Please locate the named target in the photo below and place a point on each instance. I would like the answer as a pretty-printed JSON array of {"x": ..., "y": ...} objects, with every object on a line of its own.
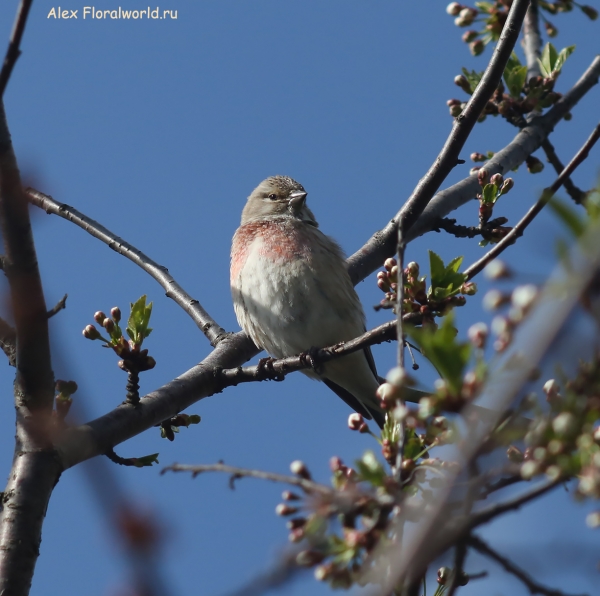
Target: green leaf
[
  {"x": 515, "y": 80},
  {"x": 137, "y": 325},
  {"x": 145, "y": 461},
  {"x": 489, "y": 194},
  {"x": 572, "y": 220},
  {"x": 472, "y": 77},
  {"x": 412, "y": 444},
  {"x": 370, "y": 469},
  {"x": 552, "y": 61},
  {"x": 562, "y": 57},
  {"x": 445, "y": 280},
  {"x": 449, "y": 356}
]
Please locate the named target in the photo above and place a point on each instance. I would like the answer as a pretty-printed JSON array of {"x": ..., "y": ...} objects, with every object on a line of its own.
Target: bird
[{"x": 292, "y": 292}]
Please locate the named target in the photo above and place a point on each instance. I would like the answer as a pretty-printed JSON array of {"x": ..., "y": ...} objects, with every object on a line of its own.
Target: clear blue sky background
[{"x": 160, "y": 130}]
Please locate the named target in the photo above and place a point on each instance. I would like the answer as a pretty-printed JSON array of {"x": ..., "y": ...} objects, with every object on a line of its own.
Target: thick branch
[
  {"x": 547, "y": 194},
  {"x": 161, "y": 274},
  {"x": 35, "y": 468},
  {"x": 13, "y": 52}
]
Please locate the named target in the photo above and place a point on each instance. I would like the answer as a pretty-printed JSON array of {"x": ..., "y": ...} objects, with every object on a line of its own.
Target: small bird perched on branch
[{"x": 292, "y": 292}]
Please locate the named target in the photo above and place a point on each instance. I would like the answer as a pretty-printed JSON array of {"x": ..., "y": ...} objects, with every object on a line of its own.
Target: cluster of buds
[
  {"x": 521, "y": 300},
  {"x": 448, "y": 399},
  {"x": 134, "y": 359},
  {"x": 566, "y": 441},
  {"x": 537, "y": 93},
  {"x": 492, "y": 14},
  {"x": 415, "y": 299},
  {"x": 492, "y": 188},
  {"x": 63, "y": 400},
  {"x": 559, "y": 6}
]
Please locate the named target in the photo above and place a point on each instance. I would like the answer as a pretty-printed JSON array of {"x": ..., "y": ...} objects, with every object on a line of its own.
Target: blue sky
[{"x": 160, "y": 130}]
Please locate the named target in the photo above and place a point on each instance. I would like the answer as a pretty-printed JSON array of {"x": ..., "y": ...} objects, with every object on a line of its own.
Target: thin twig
[
  {"x": 486, "y": 515},
  {"x": 459, "y": 562},
  {"x": 574, "y": 192},
  {"x": 547, "y": 194},
  {"x": 13, "y": 52},
  {"x": 161, "y": 274},
  {"x": 60, "y": 305},
  {"x": 534, "y": 587},
  {"x": 308, "y": 486}
]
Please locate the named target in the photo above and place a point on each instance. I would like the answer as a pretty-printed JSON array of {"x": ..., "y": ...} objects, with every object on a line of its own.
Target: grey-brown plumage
[{"x": 292, "y": 292}]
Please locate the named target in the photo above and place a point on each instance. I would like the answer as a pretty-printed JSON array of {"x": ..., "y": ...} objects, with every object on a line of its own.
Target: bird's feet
[
  {"x": 266, "y": 370},
  {"x": 311, "y": 358}
]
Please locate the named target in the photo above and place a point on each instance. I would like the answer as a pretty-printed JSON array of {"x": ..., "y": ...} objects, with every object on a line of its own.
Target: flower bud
[
  {"x": 564, "y": 424},
  {"x": 90, "y": 332},
  {"x": 496, "y": 269},
  {"x": 335, "y": 464},
  {"x": 478, "y": 334},
  {"x": 299, "y": 468},
  {"x": 506, "y": 186},
  {"x": 389, "y": 263},
  {"x": 288, "y": 495},
  {"x": 478, "y": 157},
  {"x": 476, "y": 47},
  {"x": 282, "y": 509},
  {"x": 355, "y": 421},
  {"x": 443, "y": 575},
  {"x": 453, "y": 8},
  {"x": 483, "y": 177},
  {"x": 494, "y": 299},
  {"x": 524, "y": 296},
  {"x": 469, "y": 36},
  {"x": 115, "y": 313},
  {"x": 551, "y": 389},
  {"x": 496, "y": 179},
  {"x": 387, "y": 392},
  {"x": 455, "y": 110},
  {"x": 469, "y": 288},
  {"x": 99, "y": 317},
  {"x": 108, "y": 324},
  {"x": 462, "y": 82}
]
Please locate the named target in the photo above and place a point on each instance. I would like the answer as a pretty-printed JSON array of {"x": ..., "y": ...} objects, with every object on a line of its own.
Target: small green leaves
[
  {"x": 515, "y": 80},
  {"x": 144, "y": 462},
  {"x": 445, "y": 279},
  {"x": 137, "y": 325},
  {"x": 370, "y": 469},
  {"x": 552, "y": 61},
  {"x": 441, "y": 348},
  {"x": 473, "y": 77}
]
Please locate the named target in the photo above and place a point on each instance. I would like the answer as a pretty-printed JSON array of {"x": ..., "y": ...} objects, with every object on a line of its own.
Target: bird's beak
[{"x": 297, "y": 200}]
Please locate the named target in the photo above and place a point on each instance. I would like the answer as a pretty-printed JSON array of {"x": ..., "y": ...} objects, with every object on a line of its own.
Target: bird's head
[{"x": 278, "y": 196}]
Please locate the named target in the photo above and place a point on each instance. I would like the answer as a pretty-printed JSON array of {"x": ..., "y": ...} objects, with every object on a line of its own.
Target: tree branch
[
  {"x": 547, "y": 194},
  {"x": 534, "y": 588},
  {"x": 382, "y": 244},
  {"x": 161, "y": 274},
  {"x": 13, "y": 52},
  {"x": 308, "y": 486},
  {"x": 36, "y": 468}
]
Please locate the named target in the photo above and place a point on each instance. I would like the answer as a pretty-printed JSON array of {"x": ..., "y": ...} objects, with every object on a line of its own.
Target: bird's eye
[{"x": 272, "y": 196}]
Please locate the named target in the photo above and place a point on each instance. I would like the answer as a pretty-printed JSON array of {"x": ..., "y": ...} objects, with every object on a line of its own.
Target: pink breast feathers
[{"x": 278, "y": 242}]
